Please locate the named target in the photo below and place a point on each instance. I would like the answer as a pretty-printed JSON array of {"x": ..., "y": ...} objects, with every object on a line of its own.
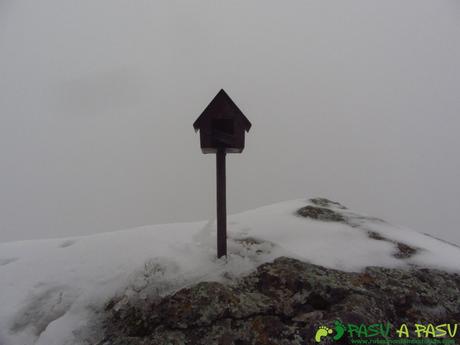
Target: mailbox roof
[{"x": 222, "y": 103}]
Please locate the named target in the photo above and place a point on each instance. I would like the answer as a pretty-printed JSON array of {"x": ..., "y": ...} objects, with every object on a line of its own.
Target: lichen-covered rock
[
  {"x": 320, "y": 213},
  {"x": 282, "y": 303},
  {"x": 323, "y": 202}
]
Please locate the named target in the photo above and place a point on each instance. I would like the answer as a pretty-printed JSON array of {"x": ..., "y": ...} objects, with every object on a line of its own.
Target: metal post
[{"x": 221, "y": 205}]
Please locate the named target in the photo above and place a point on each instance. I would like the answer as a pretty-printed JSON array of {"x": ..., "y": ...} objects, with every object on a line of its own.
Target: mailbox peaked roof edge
[{"x": 222, "y": 102}]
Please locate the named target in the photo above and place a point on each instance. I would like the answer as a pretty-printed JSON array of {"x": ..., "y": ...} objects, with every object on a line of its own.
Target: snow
[{"x": 51, "y": 290}]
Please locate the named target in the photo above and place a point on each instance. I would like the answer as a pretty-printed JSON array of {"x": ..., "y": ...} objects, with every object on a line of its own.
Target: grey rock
[
  {"x": 320, "y": 213},
  {"x": 284, "y": 302}
]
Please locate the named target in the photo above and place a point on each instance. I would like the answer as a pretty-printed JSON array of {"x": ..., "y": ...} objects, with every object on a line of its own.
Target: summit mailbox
[{"x": 222, "y": 128}]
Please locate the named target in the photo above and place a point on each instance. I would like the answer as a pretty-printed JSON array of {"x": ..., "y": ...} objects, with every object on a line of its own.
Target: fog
[{"x": 356, "y": 101}]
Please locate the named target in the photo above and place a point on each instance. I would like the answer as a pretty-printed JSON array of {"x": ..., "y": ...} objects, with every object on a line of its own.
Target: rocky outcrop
[
  {"x": 284, "y": 302},
  {"x": 331, "y": 211}
]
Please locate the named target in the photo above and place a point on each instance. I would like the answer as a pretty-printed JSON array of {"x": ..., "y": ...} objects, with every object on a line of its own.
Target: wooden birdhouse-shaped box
[{"x": 222, "y": 126}]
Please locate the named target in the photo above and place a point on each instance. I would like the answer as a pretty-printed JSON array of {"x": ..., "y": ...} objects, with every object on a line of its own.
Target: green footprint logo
[
  {"x": 339, "y": 330},
  {"x": 322, "y": 331}
]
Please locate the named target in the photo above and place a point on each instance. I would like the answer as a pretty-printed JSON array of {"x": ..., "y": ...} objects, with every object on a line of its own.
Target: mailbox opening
[{"x": 224, "y": 125}]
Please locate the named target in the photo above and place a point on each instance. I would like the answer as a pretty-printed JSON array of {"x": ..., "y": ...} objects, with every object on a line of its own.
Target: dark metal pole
[{"x": 221, "y": 206}]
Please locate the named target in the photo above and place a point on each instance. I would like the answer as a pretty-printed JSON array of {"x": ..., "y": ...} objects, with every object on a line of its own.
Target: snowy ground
[{"x": 51, "y": 289}]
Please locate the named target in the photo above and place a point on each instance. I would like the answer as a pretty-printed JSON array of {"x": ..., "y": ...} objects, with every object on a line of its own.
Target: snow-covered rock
[
  {"x": 285, "y": 302},
  {"x": 55, "y": 291}
]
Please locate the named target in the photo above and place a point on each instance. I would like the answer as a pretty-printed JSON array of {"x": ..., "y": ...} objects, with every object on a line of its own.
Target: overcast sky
[{"x": 357, "y": 101}]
